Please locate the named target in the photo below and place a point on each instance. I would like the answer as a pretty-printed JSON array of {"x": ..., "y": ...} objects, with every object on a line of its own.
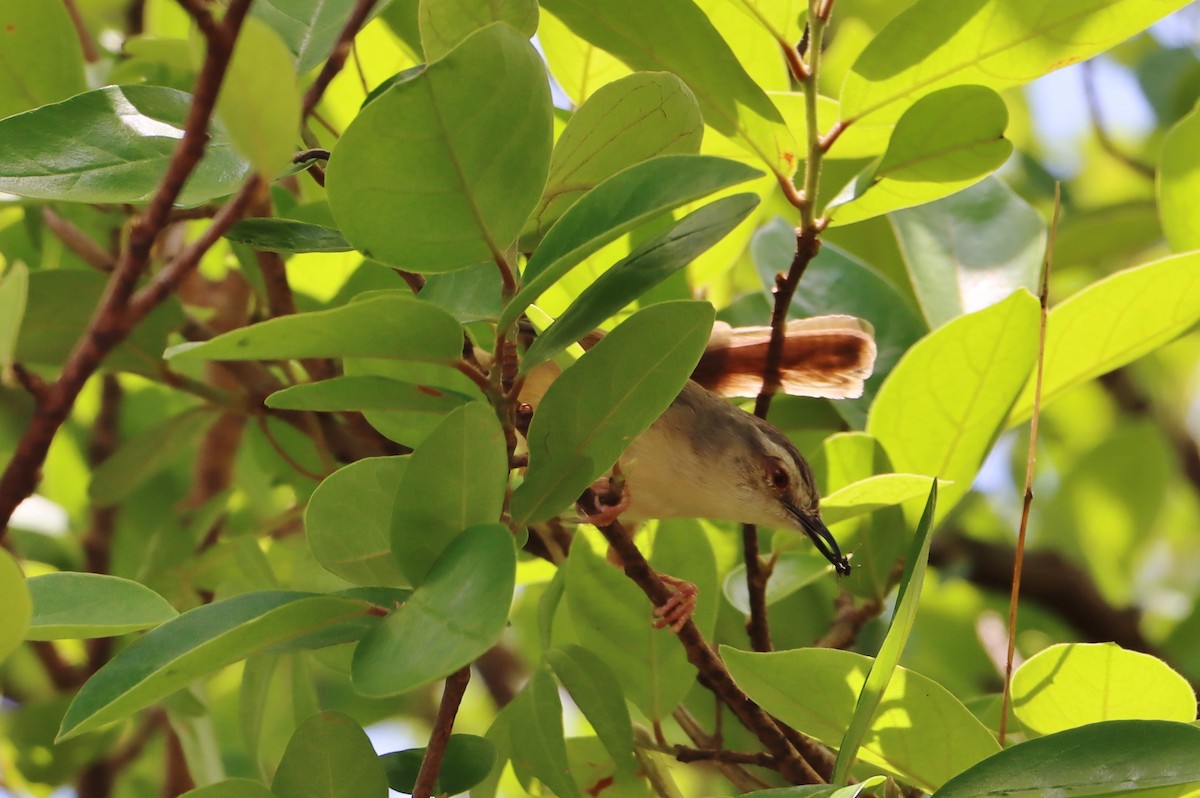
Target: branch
[
  {"x": 456, "y": 685},
  {"x": 709, "y": 666},
  {"x": 337, "y": 58},
  {"x": 78, "y": 241},
  {"x": 1106, "y": 143},
  {"x": 86, "y": 43}
]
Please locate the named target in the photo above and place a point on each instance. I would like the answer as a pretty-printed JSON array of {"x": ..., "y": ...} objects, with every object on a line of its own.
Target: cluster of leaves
[{"x": 311, "y": 501}]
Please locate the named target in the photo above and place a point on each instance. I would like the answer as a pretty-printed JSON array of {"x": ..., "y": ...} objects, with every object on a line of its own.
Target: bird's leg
[
  {"x": 678, "y": 609},
  {"x": 604, "y": 501}
]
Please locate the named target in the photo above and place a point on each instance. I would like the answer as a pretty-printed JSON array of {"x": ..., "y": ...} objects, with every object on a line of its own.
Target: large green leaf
[
  {"x": 14, "y": 295},
  {"x": 1179, "y": 183},
  {"x": 1074, "y": 684},
  {"x": 458, "y": 613},
  {"x": 330, "y": 756},
  {"x": 606, "y": 399},
  {"x": 635, "y": 195},
  {"x": 1115, "y": 321},
  {"x": 924, "y": 736},
  {"x": 147, "y": 454},
  {"x": 231, "y": 788},
  {"x": 730, "y": 99},
  {"x": 625, "y": 122},
  {"x": 259, "y": 103},
  {"x": 597, "y": 693},
  {"x": 131, "y": 133},
  {"x": 287, "y": 236},
  {"x": 198, "y": 643},
  {"x": 634, "y": 275},
  {"x": 888, "y": 658},
  {"x": 536, "y": 736},
  {"x": 945, "y": 142},
  {"x": 444, "y": 25},
  {"x": 348, "y": 521},
  {"x": 424, "y": 131},
  {"x": 972, "y": 249},
  {"x": 81, "y": 605},
  {"x": 40, "y": 58},
  {"x": 994, "y": 43},
  {"x": 455, "y": 479},
  {"x": 946, "y": 401},
  {"x": 871, "y": 494},
  {"x": 14, "y": 596},
  {"x": 1100, "y": 759},
  {"x": 384, "y": 324}
]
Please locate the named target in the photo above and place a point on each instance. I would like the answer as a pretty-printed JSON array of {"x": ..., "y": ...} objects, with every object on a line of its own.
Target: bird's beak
[{"x": 821, "y": 537}]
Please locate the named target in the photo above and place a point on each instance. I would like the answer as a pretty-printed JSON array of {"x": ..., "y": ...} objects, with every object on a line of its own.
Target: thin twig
[
  {"x": 456, "y": 685},
  {"x": 712, "y": 671},
  {"x": 311, "y": 154},
  {"x": 86, "y": 43},
  {"x": 78, "y": 241},
  {"x": 685, "y": 754},
  {"x": 1043, "y": 301},
  {"x": 337, "y": 58},
  {"x": 1102, "y": 137}
]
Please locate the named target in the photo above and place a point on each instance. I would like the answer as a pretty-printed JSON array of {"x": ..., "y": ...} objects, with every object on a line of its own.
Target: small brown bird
[{"x": 707, "y": 458}]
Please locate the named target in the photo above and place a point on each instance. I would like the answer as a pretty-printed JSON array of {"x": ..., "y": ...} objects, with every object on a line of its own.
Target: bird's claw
[
  {"x": 603, "y": 502},
  {"x": 678, "y": 609}
]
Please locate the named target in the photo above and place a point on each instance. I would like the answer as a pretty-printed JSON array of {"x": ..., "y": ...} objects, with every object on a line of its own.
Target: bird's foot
[
  {"x": 603, "y": 502},
  {"x": 678, "y": 609}
]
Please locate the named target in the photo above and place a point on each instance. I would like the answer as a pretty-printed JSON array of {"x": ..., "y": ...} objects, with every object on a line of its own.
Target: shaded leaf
[
  {"x": 287, "y": 236},
  {"x": 14, "y": 294},
  {"x": 15, "y": 598},
  {"x": 147, "y": 454},
  {"x": 1179, "y": 182},
  {"x": 71, "y": 605},
  {"x": 42, "y": 62},
  {"x": 309, "y": 28},
  {"x": 366, "y": 393},
  {"x": 793, "y": 570},
  {"x": 329, "y": 756},
  {"x": 131, "y": 133},
  {"x": 536, "y": 736},
  {"x": 466, "y": 761},
  {"x": 454, "y": 616},
  {"x": 596, "y": 692},
  {"x": 424, "y": 131},
  {"x": 231, "y": 788}
]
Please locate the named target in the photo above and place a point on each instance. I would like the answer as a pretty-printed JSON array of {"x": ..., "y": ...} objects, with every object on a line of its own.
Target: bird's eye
[{"x": 779, "y": 478}]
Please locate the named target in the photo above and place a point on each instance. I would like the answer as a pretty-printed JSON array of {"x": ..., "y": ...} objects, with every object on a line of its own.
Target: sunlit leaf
[
  {"x": 14, "y": 294},
  {"x": 14, "y": 595},
  {"x": 231, "y": 788},
  {"x": 1179, "y": 182},
  {"x": 444, "y": 25}
]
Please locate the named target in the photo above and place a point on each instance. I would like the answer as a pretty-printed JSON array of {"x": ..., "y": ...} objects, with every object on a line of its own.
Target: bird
[{"x": 705, "y": 457}]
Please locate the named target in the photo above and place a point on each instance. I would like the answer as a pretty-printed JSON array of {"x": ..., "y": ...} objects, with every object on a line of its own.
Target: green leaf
[
  {"x": 606, "y": 399},
  {"x": 1100, "y": 759},
  {"x": 1113, "y": 322},
  {"x": 60, "y": 304},
  {"x": 536, "y": 736},
  {"x": 71, "y": 605},
  {"x": 972, "y": 249},
  {"x": 231, "y": 788},
  {"x": 468, "y": 294},
  {"x": 1074, "y": 684},
  {"x": 1179, "y": 182},
  {"x": 466, "y": 761},
  {"x": 888, "y": 658},
  {"x": 793, "y": 571},
  {"x": 197, "y": 643},
  {"x": 651, "y": 667},
  {"x": 42, "y": 60},
  {"x": 330, "y": 756},
  {"x": 348, "y": 521},
  {"x": 945, "y": 142},
  {"x": 925, "y": 738},
  {"x": 444, "y": 25},
  {"x": 595, "y": 690},
  {"x": 456, "y": 479},
  {"x": 14, "y": 295},
  {"x": 645, "y": 267},
  {"x": 424, "y": 131},
  {"x": 945, "y": 402},
  {"x": 384, "y": 324},
  {"x": 625, "y": 122},
  {"x": 870, "y": 494},
  {"x": 366, "y": 393},
  {"x": 454, "y": 616},
  {"x": 259, "y": 103},
  {"x": 821, "y": 790},
  {"x": 999, "y": 44},
  {"x": 15, "y": 598},
  {"x": 146, "y": 455},
  {"x": 131, "y": 133},
  {"x": 309, "y": 28},
  {"x": 731, "y": 101},
  {"x": 629, "y": 198},
  {"x": 287, "y": 236}
]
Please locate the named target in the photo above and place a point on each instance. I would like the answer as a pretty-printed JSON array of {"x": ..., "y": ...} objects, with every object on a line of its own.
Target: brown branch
[
  {"x": 848, "y": 621},
  {"x": 685, "y": 754},
  {"x": 311, "y": 154},
  {"x": 78, "y": 241},
  {"x": 757, "y": 575},
  {"x": 456, "y": 685},
  {"x": 1102, "y": 137},
  {"x": 119, "y": 309},
  {"x": 86, "y": 43},
  {"x": 712, "y": 671},
  {"x": 735, "y": 774},
  {"x": 337, "y": 58}
]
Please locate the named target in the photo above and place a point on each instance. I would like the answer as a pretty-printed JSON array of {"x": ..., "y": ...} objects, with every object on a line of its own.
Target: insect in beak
[{"x": 822, "y": 538}]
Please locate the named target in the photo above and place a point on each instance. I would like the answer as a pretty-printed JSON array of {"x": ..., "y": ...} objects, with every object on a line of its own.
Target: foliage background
[{"x": 174, "y": 477}]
